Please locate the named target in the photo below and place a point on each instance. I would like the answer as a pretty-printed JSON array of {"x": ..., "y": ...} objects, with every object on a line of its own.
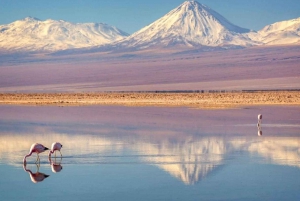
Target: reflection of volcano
[{"x": 189, "y": 161}]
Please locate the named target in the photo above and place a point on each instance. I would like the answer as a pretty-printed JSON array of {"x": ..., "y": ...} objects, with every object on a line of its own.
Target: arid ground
[
  {"x": 257, "y": 68},
  {"x": 87, "y": 79},
  {"x": 194, "y": 100}
]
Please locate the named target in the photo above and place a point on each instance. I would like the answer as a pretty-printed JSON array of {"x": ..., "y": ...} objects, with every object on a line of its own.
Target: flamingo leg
[
  {"x": 37, "y": 158},
  {"x": 60, "y": 154},
  {"x": 55, "y": 153},
  {"x": 38, "y": 166}
]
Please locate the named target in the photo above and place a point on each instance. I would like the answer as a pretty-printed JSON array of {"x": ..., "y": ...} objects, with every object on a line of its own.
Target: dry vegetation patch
[{"x": 197, "y": 100}]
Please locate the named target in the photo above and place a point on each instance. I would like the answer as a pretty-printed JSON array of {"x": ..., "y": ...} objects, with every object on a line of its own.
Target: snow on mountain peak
[
  {"x": 190, "y": 24},
  {"x": 31, "y": 19},
  {"x": 32, "y": 34},
  {"x": 279, "y": 33},
  {"x": 208, "y": 13}
]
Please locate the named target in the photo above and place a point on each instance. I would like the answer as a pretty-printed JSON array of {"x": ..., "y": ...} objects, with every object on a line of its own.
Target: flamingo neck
[
  {"x": 27, "y": 170},
  {"x": 24, "y": 160},
  {"x": 51, "y": 152}
]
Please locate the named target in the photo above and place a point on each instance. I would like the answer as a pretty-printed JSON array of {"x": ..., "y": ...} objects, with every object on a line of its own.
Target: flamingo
[
  {"x": 259, "y": 117},
  {"x": 35, "y": 177},
  {"x": 35, "y": 148},
  {"x": 56, "y": 146}
]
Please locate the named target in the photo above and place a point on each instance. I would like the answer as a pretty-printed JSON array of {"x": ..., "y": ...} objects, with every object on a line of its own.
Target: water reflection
[
  {"x": 55, "y": 165},
  {"x": 185, "y": 157},
  {"x": 189, "y": 160},
  {"x": 37, "y": 176},
  {"x": 259, "y": 132}
]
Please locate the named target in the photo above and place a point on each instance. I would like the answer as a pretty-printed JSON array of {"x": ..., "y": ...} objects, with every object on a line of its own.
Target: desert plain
[
  {"x": 193, "y": 100},
  {"x": 250, "y": 76}
]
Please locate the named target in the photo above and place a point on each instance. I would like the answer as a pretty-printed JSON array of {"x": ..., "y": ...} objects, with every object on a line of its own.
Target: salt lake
[{"x": 150, "y": 153}]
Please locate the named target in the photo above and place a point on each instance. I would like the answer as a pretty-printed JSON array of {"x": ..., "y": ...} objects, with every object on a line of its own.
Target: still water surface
[{"x": 122, "y": 153}]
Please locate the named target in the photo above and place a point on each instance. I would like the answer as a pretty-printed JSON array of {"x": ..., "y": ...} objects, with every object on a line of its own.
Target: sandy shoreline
[{"x": 195, "y": 100}]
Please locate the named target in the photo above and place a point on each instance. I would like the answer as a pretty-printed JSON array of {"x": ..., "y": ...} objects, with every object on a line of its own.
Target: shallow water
[{"x": 145, "y": 153}]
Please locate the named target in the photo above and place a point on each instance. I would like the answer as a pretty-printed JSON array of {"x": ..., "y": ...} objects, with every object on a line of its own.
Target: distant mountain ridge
[
  {"x": 189, "y": 26},
  {"x": 279, "y": 33},
  {"x": 32, "y": 34}
]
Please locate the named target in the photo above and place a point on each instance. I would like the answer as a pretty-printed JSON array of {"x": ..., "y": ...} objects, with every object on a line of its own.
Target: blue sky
[{"x": 132, "y": 15}]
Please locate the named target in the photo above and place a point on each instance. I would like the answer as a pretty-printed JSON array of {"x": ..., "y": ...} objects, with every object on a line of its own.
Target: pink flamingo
[
  {"x": 35, "y": 148},
  {"x": 56, "y": 146}
]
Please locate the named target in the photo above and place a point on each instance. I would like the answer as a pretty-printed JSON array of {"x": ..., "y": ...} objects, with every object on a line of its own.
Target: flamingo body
[
  {"x": 35, "y": 148},
  {"x": 259, "y": 117},
  {"x": 56, "y": 146}
]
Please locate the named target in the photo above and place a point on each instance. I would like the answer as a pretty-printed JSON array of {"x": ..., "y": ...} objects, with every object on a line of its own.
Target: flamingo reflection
[
  {"x": 55, "y": 165},
  {"x": 37, "y": 176},
  {"x": 259, "y": 132}
]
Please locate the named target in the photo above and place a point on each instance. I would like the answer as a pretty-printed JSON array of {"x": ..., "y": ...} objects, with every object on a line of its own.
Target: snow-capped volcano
[
  {"x": 32, "y": 34},
  {"x": 190, "y": 24},
  {"x": 279, "y": 33}
]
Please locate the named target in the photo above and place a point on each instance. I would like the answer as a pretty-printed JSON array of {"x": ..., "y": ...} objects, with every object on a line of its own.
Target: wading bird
[
  {"x": 35, "y": 148},
  {"x": 56, "y": 146},
  {"x": 259, "y": 117}
]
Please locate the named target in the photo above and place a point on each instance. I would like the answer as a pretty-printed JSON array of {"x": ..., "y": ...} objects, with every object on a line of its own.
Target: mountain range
[
  {"x": 190, "y": 25},
  {"x": 32, "y": 34}
]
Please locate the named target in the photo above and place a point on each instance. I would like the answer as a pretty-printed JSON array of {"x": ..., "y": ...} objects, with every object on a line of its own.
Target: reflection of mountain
[
  {"x": 187, "y": 158},
  {"x": 284, "y": 151}
]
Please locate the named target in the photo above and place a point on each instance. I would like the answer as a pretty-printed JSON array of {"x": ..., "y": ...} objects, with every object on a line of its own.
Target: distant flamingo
[
  {"x": 35, "y": 148},
  {"x": 259, "y": 117},
  {"x": 35, "y": 177},
  {"x": 56, "y": 146}
]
